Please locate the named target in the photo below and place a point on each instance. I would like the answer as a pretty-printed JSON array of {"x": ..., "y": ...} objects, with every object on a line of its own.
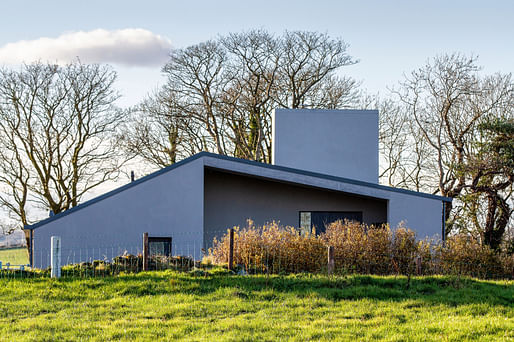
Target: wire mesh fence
[
  {"x": 355, "y": 248},
  {"x": 344, "y": 249},
  {"x": 96, "y": 262}
]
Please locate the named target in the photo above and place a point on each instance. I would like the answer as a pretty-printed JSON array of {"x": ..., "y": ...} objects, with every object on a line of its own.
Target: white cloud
[{"x": 130, "y": 47}]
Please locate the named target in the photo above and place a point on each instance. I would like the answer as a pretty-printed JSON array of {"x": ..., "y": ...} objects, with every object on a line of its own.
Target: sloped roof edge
[
  {"x": 116, "y": 191},
  {"x": 233, "y": 159}
]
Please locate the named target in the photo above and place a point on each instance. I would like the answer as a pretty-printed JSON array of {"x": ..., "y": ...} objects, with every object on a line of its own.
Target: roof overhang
[
  {"x": 264, "y": 171},
  {"x": 307, "y": 178}
]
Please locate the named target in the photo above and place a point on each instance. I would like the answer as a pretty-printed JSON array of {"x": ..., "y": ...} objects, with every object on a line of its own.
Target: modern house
[{"x": 325, "y": 168}]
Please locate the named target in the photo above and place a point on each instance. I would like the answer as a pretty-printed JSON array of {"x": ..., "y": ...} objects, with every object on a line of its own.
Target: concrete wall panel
[
  {"x": 341, "y": 143},
  {"x": 420, "y": 212},
  {"x": 170, "y": 204},
  {"x": 232, "y": 199}
]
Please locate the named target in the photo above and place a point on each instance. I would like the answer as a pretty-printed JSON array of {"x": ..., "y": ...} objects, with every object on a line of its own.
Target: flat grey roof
[{"x": 238, "y": 160}]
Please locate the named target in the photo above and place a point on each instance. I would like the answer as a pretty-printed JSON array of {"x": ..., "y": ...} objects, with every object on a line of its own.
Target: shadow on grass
[{"x": 429, "y": 290}]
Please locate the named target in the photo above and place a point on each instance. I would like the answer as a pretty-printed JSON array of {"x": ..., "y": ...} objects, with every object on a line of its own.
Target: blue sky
[{"x": 388, "y": 37}]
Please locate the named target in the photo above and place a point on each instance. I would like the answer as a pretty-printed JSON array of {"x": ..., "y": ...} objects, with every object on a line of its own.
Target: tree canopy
[
  {"x": 55, "y": 128},
  {"x": 220, "y": 94}
]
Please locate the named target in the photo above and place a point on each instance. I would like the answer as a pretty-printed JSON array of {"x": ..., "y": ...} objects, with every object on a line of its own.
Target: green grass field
[
  {"x": 14, "y": 256},
  {"x": 166, "y": 305}
]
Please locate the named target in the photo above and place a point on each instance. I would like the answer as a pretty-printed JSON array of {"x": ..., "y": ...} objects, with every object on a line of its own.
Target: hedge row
[{"x": 359, "y": 248}]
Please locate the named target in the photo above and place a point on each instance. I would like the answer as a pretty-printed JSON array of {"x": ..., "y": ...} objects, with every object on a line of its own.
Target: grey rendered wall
[
  {"x": 421, "y": 213},
  {"x": 170, "y": 204},
  {"x": 342, "y": 143},
  {"x": 232, "y": 199}
]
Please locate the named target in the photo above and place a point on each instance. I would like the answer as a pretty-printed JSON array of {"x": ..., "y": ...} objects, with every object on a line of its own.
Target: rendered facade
[{"x": 325, "y": 166}]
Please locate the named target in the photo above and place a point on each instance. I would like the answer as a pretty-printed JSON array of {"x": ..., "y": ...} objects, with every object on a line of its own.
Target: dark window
[
  {"x": 160, "y": 246},
  {"x": 321, "y": 219}
]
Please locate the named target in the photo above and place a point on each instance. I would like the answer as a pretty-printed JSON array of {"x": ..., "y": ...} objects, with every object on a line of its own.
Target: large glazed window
[{"x": 317, "y": 221}]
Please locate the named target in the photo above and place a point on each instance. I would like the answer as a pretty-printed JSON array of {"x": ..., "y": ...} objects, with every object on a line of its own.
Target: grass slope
[
  {"x": 217, "y": 307},
  {"x": 14, "y": 256}
]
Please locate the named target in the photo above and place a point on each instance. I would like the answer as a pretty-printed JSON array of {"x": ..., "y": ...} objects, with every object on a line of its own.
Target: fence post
[
  {"x": 55, "y": 256},
  {"x": 418, "y": 266},
  {"x": 331, "y": 262},
  {"x": 171, "y": 248},
  {"x": 145, "y": 251},
  {"x": 231, "y": 250}
]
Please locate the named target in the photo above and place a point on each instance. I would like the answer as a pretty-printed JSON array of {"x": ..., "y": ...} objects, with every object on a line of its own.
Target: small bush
[
  {"x": 463, "y": 255},
  {"x": 359, "y": 248},
  {"x": 426, "y": 250},
  {"x": 127, "y": 263},
  {"x": 272, "y": 249},
  {"x": 404, "y": 251}
]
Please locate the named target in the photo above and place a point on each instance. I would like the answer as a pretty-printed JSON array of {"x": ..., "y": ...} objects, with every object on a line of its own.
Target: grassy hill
[
  {"x": 14, "y": 256},
  {"x": 195, "y": 306}
]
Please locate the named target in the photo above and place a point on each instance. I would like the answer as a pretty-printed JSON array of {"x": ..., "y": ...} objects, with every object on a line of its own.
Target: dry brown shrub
[
  {"x": 378, "y": 249},
  {"x": 272, "y": 249},
  {"x": 359, "y": 248},
  {"x": 426, "y": 250},
  {"x": 507, "y": 261},
  {"x": 463, "y": 255},
  {"x": 404, "y": 251}
]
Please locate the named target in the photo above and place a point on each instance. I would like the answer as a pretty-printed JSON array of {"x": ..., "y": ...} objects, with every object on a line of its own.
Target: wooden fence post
[
  {"x": 331, "y": 262},
  {"x": 171, "y": 248},
  {"x": 418, "y": 266},
  {"x": 231, "y": 250},
  {"x": 145, "y": 251}
]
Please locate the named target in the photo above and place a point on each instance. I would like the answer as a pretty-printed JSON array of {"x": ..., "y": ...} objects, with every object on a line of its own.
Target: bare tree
[
  {"x": 196, "y": 75},
  {"x": 55, "y": 128},
  {"x": 444, "y": 102},
  {"x": 491, "y": 173},
  {"x": 248, "y": 103},
  {"x": 334, "y": 92},
  {"x": 157, "y": 131},
  {"x": 222, "y": 93},
  {"x": 7, "y": 227},
  {"x": 393, "y": 143},
  {"x": 308, "y": 58}
]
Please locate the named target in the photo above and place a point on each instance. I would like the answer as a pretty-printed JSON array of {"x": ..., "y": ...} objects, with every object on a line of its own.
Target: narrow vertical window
[{"x": 305, "y": 222}]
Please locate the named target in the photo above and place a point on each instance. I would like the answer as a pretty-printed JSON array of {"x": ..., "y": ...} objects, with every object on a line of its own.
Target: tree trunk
[{"x": 496, "y": 221}]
